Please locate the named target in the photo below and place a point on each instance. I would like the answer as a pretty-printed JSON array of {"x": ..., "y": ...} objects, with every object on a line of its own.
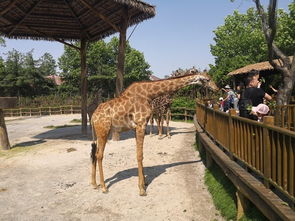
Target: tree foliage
[
  {"x": 20, "y": 75},
  {"x": 101, "y": 67},
  {"x": 240, "y": 41}
]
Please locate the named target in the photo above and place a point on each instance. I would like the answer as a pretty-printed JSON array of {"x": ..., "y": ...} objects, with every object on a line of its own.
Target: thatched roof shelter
[
  {"x": 82, "y": 20},
  {"x": 262, "y": 66},
  {"x": 68, "y": 19}
]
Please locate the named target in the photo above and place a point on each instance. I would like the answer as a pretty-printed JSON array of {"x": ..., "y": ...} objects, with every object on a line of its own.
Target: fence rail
[
  {"x": 71, "y": 109},
  {"x": 285, "y": 116},
  {"x": 183, "y": 112},
  {"x": 266, "y": 149}
]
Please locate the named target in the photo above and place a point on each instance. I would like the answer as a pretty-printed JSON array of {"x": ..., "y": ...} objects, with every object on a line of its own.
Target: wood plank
[
  {"x": 285, "y": 164},
  {"x": 266, "y": 201}
]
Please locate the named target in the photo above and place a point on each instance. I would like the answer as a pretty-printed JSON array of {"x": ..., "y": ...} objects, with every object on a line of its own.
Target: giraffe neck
[{"x": 152, "y": 89}]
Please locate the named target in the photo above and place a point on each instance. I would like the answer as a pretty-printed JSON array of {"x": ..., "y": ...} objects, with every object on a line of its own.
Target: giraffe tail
[
  {"x": 93, "y": 152},
  {"x": 93, "y": 145}
]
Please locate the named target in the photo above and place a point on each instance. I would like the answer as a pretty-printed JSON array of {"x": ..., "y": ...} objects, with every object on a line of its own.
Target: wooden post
[
  {"x": 121, "y": 61},
  {"x": 232, "y": 112},
  {"x": 242, "y": 204},
  {"x": 83, "y": 86},
  {"x": 4, "y": 141},
  {"x": 267, "y": 120},
  {"x": 185, "y": 115},
  {"x": 121, "y": 53}
]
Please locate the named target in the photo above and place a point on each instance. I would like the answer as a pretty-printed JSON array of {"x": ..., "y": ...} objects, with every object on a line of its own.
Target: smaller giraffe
[{"x": 161, "y": 111}]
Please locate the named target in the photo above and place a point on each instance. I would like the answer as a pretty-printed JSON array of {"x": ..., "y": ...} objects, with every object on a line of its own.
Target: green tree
[
  {"x": 101, "y": 65},
  {"x": 2, "y": 41},
  {"x": 12, "y": 71},
  {"x": 240, "y": 41},
  {"x": 47, "y": 65}
]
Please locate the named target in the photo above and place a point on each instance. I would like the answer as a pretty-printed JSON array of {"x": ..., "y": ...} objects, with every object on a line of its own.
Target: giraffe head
[{"x": 203, "y": 79}]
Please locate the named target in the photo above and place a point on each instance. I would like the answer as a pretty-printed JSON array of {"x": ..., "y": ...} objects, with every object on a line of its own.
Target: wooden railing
[
  {"x": 285, "y": 116},
  {"x": 71, "y": 109},
  {"x": 267, "y": 150},
  {"x": 183, "y": 112}
]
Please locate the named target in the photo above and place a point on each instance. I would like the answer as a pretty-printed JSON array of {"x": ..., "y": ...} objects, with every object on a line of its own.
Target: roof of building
[
  {"x": 261, "y": 66},
  {"x": 69, "y": 19}
]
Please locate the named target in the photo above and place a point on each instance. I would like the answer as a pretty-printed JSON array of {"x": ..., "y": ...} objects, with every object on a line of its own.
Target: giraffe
[
  {"x": 161, "y": 111},
  {"x": 131, "y": 110}
]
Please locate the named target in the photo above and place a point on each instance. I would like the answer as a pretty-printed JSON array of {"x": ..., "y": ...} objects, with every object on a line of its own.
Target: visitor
[
  {"x": 230, "y": 98},
  {"x": 260, "y": 111},
  {"x": 252, "y": 95}
]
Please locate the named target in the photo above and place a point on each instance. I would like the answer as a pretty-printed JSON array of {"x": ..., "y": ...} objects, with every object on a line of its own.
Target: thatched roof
[
  {"x": 262, "y": 66},
  {"x": 68, "y": 19}
]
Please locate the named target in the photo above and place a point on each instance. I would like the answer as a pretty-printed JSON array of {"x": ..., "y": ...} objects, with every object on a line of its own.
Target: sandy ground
[{"x": 52, "y": 180}]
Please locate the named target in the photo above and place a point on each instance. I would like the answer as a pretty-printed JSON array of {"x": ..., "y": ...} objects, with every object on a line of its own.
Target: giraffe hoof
[
  {"x": 104, "y": 190},
  {"x": 95, "y": 186},
  {"x": 142, "y": 193}
]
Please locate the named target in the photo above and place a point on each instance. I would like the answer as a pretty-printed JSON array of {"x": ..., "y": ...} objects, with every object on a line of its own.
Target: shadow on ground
[
  {"x": 150, "y": 173},
  {"x": 74, "y": 133}
]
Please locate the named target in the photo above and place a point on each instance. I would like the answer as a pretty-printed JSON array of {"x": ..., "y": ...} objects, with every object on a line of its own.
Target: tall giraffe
[
  {"x": 131, "y": 110},
  {"x": 161, "y": 111}
]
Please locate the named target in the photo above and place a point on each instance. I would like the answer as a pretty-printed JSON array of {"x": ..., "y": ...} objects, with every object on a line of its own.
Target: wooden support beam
[
  {"x": 11, "y": 4},
  {"x": 56, "y": 39},
  {"x": 26, "y": 15},
  {"x": 83, "y": 86},
  {"x": 97, "y": 13},
  {"x": 121, "y": 54},
  {"x": 4, "y": 141}
]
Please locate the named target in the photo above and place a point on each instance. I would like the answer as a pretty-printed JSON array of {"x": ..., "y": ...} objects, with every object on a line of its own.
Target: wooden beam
[
  {"x": 11, "y": 4},
  {"x": 97, "y": 13},
  {"x": 77, "y": 19},
  {"x": 83, "y": 86},
  {"x": 26, "y": 15},
  {"x": 264, "y": 199},
  {"x": 56, "y": 39},
  {"x": 121, "y": 53}
]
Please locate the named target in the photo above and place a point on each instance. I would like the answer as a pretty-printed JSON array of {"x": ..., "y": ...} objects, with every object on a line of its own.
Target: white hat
[
  {"x": 261, "y": 108},
  {"x": 221, "y": 98},
  {"x": 227, "y": 86}
]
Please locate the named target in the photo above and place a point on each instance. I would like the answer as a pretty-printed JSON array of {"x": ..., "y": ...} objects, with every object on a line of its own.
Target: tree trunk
[
  {"x": 4, "y": 141},
  {"x": 83, "y": 86}
]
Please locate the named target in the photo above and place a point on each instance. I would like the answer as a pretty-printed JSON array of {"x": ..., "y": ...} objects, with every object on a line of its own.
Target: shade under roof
[{"x": 68, "y": 19}]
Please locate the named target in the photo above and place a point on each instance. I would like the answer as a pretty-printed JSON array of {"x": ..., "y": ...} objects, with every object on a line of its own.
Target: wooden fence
[
  {"x": 71, "y": 109},
  {"x": 285, "y": 116},
  {"x": 267, "y": 150},
  {"x": 181, "y": 112}
]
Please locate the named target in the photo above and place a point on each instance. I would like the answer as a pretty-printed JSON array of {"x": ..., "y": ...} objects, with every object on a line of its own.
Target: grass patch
[
  {"x": 224, "y": 192},
  {"x": 76, "y": 121},
  {"x": 15, "y": 150},
  {"x": 60, "y": 126}
]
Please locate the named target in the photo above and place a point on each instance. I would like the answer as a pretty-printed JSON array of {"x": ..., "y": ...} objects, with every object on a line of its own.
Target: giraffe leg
[
  {"x": 159, "y": 125},
  {"x": 151, "y": 124},
  {"x": 168, "y": 114},
  {"x": 99, "y": 155},
  {"x": 139, "y": 151}
]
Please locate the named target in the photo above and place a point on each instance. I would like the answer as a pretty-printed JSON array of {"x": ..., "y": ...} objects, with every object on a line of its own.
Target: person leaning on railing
[{"x": 252, "y": 96}]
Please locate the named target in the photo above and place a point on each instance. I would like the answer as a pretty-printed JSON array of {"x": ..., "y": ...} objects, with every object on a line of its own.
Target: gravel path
[{"x": 51, "y": 180}]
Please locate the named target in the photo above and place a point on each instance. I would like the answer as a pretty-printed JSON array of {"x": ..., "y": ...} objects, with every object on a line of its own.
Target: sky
[{"x": 179, "y": 36}]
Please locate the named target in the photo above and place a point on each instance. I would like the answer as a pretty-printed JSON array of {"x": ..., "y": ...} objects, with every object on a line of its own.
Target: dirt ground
[{"x": 51, "y": 181}]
